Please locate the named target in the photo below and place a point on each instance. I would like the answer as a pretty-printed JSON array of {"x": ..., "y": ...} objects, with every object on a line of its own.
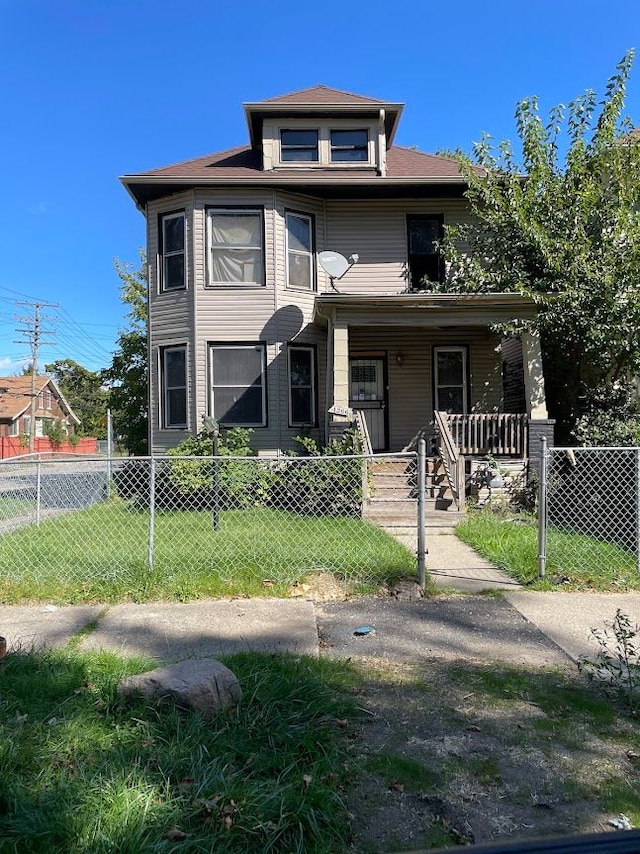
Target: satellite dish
[{"x": 334, "y": 264}]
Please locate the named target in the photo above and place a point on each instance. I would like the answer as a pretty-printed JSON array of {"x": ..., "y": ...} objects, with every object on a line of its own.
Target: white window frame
[
  {"x": 258, "y": 212},
  {"x": 14, "y": 427},
  {"x": 324, "y": 128},
  {"x": 312, "y": 351},
  {"x": 223, "y": 345},
  {"x": 165, "y": 389},
  {"x": 464, "y": 351},
  {"x": 366, "y": 130},
  {"x": 303, "y": 253},
  {"x": 164, "y": 288},
  {"x": 284, "y": 148}
]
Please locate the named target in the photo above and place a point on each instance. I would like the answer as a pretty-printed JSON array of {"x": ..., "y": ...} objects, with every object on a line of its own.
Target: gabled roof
[
  {"x": 243, "y": 166},
  {"x": 321, "y": 101},
  {"x": 15, "y": 397}
]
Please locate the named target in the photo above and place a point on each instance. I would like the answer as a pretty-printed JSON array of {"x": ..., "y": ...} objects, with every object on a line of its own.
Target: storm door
[{"x": 367, "y": 391}]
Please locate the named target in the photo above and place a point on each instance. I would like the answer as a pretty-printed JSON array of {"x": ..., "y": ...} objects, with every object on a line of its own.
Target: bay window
[
  {"x": 237, "y": 377},
  {"x": 299, "y": 236},
  {"x": 173, "y": 380},
  {"x": 302, "y": 392},
  {"x": 235, "y": 241},
  {"x": 172, "y": 251}
]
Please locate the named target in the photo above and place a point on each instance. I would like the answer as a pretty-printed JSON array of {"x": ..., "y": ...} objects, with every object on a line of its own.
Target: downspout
[
  {"x": 382, "y": 145},
  {"x": 328, "y": 381},
  {"x": 275, "y": 309}
]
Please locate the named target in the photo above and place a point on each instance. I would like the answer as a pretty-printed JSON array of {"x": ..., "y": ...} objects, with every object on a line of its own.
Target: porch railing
[{"x": 500, "y": 433}]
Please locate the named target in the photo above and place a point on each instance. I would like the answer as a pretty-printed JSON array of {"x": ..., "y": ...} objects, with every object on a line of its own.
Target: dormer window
[
  {"x": 307, "y": 144},
  {"x": 299, "y": 146},
  {"x": 349, "y": 146}
]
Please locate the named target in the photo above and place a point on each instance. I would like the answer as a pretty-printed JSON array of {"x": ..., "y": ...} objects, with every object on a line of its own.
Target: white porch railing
[
  {"x": 500, "y": 433},
  {"x": 452, "y": 460}
]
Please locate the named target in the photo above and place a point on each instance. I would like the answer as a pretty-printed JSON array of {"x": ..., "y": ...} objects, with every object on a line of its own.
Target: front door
[{"x": 367, "y": 391}]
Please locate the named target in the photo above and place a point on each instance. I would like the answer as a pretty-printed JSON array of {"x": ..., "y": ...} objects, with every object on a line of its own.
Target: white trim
[
  {"x": 324, "y": 128},
  {"x": 312, "y": 350},
  {"x": 163, "y": 407},
  {"x": 464, "y": 350},
  {"x": 174, "y": 253},
  {"x": 261, "y": 346},
  {"x": 304, "y": 254},
  {"x": 230, "y": 211}
]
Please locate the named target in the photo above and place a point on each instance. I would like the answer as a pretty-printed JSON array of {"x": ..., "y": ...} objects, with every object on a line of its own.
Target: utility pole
[{"x": 33, "y": 332}]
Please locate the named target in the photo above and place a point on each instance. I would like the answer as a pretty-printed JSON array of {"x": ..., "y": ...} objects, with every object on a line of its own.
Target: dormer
[{"x": 323, "y": 129}]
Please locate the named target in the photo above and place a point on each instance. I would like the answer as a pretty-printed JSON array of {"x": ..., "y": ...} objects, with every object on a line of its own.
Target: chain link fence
[
  {"x": 188, "y": 526},
  {"x": 590, "y": 510}
]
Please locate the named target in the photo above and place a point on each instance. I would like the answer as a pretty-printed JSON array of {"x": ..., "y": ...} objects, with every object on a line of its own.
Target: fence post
[
  {"x": 542, "y": 510},
  {"x": 109, "y": 452},
  {"x": 422, "y": 478},
  {"x": 638, "y": 509},
  {"x": 38, "y": 490},
  {"x": 152, "y": 511}
]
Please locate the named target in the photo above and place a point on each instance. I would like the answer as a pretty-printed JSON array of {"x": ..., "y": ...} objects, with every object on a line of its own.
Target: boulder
[{"x": 204, "y": 685}]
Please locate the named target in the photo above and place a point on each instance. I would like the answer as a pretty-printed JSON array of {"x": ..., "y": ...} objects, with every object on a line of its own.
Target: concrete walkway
[{"x": 521, "y": 626}]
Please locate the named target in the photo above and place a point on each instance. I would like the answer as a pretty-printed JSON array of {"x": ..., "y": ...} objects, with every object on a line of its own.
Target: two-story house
[{"x": 246, "y": 325}]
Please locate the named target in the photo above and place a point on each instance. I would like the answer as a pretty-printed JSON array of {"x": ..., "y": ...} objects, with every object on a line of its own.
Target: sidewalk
[{"x": 520, "y": 626}]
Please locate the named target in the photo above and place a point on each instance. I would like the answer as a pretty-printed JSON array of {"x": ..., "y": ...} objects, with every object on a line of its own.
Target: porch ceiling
[{"x": 424, "y": 309}]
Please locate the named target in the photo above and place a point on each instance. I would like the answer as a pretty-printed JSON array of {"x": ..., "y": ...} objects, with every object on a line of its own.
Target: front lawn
[
  {"x": 575, "y": 561},
  {"x": 101, "y": 554}
]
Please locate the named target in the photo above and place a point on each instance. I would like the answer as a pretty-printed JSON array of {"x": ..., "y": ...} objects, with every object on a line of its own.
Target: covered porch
[{"x": 426, "y": 364}]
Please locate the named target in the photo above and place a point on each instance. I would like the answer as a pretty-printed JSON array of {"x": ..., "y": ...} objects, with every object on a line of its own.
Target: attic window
[
  {"x": 299, "y": 146},
  {"x": 349, "y": 146}
]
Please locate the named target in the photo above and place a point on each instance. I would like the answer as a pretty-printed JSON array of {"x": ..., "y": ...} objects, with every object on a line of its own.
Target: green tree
[
  {"x": 564, "y": 221},
  {"x": 85, "y": 393},
  {"x": 128, "y": 377}
]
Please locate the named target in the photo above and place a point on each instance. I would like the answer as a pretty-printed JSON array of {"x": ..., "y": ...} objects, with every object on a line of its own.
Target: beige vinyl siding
[
  {"x": 410, "y": 390},
  {"x": 377, "y": 232},
  {"x": 170, "y": 318}
]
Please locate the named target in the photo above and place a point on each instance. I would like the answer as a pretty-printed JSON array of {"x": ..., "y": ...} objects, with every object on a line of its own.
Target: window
[
  {"x": 302, "y": 393},
  {"x": 26, "y": 423},
  {"x": 172, "y": 251},
  {"x": 349, "y": 146},
  {"x": 238, "y": 387},
  {"x": 173, "y": 372},
  {"x": 14, "y": 427},
  {"x": 424, "y": 259},
  {"x": 298, "y": 146},
  {"x": 299, "y": 251},
  {"x": 235, "y": 247},
  {"x": 450, "y": 379}
]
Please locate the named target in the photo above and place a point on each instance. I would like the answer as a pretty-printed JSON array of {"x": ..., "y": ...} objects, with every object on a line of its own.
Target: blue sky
[{"x": 94, "y": 89}]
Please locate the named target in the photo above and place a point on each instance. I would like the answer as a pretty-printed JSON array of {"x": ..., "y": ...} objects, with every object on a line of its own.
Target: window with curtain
[
  {"x": 238, "y": 384},
  {"x": 299, "y": 234},
  {"x": 236, "y": 247}
]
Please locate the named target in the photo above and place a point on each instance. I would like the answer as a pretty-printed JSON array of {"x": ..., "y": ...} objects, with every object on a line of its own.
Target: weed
[{"x": 617, "y": 663}]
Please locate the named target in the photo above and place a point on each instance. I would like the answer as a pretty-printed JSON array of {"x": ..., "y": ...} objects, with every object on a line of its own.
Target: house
[
  {"x": 16, "y": 411},
  {"x": 247, "y": 325}
]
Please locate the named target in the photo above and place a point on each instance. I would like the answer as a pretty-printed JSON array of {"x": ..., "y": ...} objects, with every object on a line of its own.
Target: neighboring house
[
  {"x": 16, "y": 411},
  {"x": 246, "y": 325}
]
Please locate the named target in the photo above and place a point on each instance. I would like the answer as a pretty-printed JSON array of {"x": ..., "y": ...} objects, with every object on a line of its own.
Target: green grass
[
  {"x": 80, "y": 771},
  {"x": 575, "y": 560},
  {"x": 12, "y": 507},
  {"x": 101, "y": 555}
]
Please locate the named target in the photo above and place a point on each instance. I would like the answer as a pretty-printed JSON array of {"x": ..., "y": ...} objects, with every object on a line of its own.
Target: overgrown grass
[
  {"x": 79, "y": 771},
  {"x": 576, "y": 561},
  {"x": 100, "y": 554}
]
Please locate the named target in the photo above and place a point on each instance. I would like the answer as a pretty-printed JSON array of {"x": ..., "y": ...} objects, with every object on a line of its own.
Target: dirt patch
[
  {"x": 460, "y": 751},
  {"x": 320, "y": 587}
]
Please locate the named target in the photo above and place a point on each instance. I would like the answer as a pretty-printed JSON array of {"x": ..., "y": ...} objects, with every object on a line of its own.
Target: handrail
[
  {"x": 363, "y": 430},
  {"x": 452, "y": 461},
  {"x": 489, "y": 432}
]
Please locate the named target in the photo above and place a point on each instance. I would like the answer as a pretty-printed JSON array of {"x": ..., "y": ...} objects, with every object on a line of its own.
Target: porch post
[
  {"x": 340, "y": 363},
  {"x": 533, "y": 377}
]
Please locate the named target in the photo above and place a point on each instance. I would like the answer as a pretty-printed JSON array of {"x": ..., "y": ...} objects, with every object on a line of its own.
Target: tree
[
  {"x": 85, "y": 393},
  {"x": 564, "y": 222},
  {"x": 128, "y": 376}
]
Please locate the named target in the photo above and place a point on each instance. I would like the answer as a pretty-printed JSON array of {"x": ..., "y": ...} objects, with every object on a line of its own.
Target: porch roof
[{"x": 424, "y": 309}]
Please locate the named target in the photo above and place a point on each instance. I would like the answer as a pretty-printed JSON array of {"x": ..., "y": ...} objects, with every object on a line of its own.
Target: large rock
[{"x": 204, "y": 685}]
